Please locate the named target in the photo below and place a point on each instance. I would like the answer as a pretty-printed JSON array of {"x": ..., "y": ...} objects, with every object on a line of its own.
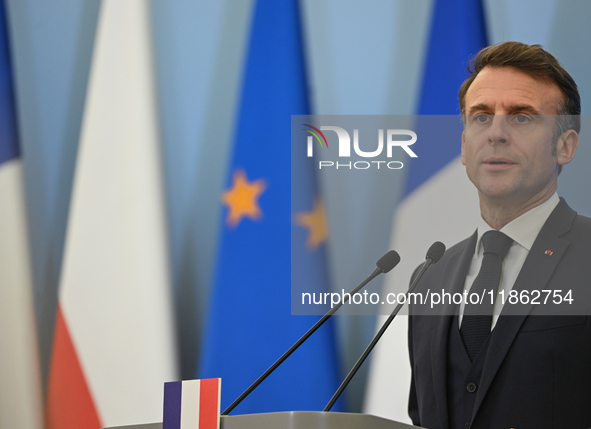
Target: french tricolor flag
[
  {"x": 440, "y": 203},
  {"x": 193, "y": 404}
]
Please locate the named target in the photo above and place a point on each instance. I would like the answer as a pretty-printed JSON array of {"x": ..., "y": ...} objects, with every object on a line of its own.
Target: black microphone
[
  {"x": 388, "y": 261},
  {"x": 385, "y": 264},
  {"x": 434, "y": 254}
]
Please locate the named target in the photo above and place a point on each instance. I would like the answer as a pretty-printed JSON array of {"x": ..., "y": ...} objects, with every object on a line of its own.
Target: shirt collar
[{"x": 524, "y": 229}]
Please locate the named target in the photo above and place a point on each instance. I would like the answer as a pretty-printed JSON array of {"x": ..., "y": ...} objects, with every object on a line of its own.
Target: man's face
[{"x": 507, "y": 144}]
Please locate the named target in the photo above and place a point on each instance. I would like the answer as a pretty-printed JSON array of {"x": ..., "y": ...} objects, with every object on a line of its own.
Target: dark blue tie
[{"x": 477, "y": 318}]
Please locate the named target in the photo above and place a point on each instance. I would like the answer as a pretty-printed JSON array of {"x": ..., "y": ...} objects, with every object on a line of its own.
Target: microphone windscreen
[
  {"x": 388, "y": 261},
  {"x": 436, "y": 251}
]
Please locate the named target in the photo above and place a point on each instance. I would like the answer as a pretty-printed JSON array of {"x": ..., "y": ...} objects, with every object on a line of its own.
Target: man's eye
[
  {"x": 521, "y": 119},
  {"x": 481, "y": 118}
]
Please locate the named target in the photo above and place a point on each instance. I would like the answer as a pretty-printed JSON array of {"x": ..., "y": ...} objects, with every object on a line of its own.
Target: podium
[{"x": 296, "y": 420}]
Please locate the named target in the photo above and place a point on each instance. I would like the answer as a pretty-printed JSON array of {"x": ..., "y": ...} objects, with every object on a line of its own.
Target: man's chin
[{"x": 496, "y": 192}]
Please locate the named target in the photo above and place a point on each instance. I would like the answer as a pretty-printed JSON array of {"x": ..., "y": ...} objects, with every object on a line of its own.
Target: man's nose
[{"x": 498, "y": 132}]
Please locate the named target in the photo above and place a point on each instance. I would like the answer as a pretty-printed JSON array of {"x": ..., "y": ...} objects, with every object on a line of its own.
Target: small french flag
[{"x": 192, "y": 404}]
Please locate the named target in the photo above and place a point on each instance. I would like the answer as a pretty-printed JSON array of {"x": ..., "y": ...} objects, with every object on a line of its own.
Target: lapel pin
[{"x": 549, "y": 252}]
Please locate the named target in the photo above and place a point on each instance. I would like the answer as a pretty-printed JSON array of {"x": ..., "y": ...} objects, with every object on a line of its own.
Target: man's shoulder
[
  {"x": 582, "y": 222},
  {"x": 576, "y": 223}
]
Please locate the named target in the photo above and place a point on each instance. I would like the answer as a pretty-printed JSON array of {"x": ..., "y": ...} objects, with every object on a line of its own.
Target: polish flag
[{"x": 114, "y": 340}]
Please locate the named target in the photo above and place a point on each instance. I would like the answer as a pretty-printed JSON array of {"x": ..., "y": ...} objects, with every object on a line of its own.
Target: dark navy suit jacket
[{"x": 537, "y": 372}]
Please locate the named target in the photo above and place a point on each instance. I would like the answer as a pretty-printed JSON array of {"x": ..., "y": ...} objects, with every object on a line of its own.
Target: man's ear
[
  {"x": 463, "y": 143},
  {"x": 566, "y": 146}
]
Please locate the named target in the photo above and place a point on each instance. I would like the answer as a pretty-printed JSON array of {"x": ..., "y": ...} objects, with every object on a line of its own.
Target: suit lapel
[
  {"x": 454, "y": 275},
  {"x": 534, "y": 275}
]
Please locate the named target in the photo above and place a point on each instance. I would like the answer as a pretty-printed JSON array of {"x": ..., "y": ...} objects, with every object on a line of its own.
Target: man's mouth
[{"x": 496, "y": 163}]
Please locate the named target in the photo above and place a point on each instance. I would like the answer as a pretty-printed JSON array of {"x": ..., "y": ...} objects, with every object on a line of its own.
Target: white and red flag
[{"x": 114, "y": 340}]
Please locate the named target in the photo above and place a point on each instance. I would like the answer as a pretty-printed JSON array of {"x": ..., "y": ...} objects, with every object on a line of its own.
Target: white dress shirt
[{"x": 523, "y": 231}]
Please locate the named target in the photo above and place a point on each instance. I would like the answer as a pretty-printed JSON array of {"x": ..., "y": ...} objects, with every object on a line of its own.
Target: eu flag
[{"x": 250, "y": 323}]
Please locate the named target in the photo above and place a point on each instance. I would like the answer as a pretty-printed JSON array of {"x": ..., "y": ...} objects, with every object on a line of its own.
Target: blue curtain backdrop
[{"x": 250, "y": 323}]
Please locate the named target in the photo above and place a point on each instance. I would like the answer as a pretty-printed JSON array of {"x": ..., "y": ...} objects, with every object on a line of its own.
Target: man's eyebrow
[
  {"x": 512, "y": 110},
  {"x": 478, "y": 107},
  {"x": 525, "y": 108}
]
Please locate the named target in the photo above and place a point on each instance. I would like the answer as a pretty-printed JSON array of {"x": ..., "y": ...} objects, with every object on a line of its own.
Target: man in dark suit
[{"x": 474, "y": 368}]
